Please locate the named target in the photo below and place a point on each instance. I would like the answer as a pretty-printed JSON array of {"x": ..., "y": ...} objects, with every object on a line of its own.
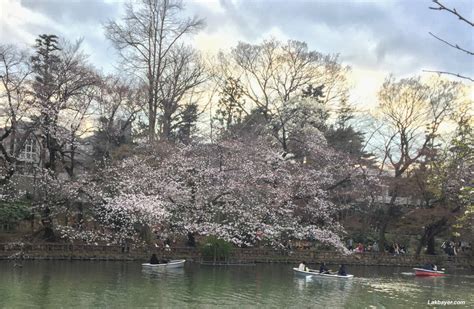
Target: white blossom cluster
[{"x": 239, "y": 190}]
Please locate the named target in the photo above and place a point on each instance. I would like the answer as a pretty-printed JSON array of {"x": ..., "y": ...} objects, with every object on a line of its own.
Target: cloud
[
  {"x": 17, "y": 23},
  {"x": 379, "y": 35},
  {"x": 371, "y": 36},
  {"x": 74, "y": 11},
  {"x": 22, "y": 21}
]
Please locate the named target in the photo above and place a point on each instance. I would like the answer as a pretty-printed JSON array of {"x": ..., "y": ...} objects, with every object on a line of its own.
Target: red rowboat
[{"x": 430, "y": 273}]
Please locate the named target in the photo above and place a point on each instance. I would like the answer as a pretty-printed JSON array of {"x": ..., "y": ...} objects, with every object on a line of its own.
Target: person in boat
[
  {"x": 430, "y": 266},
  {"x": 154, "y": 259},
  {"x": 342, "y": 270},
  {"x": 167, "y": 244},
  {"x": 323, "y": 269},
  {"x": 302, "y": 266}
]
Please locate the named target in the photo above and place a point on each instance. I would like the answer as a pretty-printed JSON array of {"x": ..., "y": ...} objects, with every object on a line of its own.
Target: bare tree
[
  {"x": 146, "y": 40},
  {"x": 14, "y": 75},
  {"x": 118, "y": 103},
  {"x": 411, "y": 113},
  {"x": 273, "y": 74},
  {"x": 183, "y": 74}
]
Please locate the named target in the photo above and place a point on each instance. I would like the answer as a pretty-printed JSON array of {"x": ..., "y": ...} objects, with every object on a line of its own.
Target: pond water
[{"x": 65, "y": 284}]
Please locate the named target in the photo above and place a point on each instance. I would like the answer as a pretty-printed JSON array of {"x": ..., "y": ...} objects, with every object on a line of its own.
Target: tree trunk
[
  {"x": 382, "y": 240},
  {"x": 151, "y": 125},
  {"x": 52, "y": 153},
  {"x": 151, "y": 113},
  {"x": 13, "y": 138},
  {"x": 47, "y": 223},
  {"x": 430, "y": 249},
  {"x": 429, "y": 234},
  {"x": 166, "y": 129},
  {"x": 389, "y": 215},
  {"x": 420, "y": 245}
]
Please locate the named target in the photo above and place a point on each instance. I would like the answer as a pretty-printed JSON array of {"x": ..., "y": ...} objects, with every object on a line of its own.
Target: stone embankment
[{"x": 238, "y": 255}]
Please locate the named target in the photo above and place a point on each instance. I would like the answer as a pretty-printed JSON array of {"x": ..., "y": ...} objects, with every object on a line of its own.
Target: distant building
[
  {"x": 34, "y": 153},
  {"x": 30, "y": 155}
]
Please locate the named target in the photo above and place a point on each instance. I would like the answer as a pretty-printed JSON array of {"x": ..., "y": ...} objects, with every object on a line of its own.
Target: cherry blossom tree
[{"x": 236, "y": 189}]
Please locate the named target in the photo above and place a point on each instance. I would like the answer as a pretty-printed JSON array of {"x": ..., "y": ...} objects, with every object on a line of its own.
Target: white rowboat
[
  {"x": 170, "y": 264},
  {"x": 313, "y": 272}
]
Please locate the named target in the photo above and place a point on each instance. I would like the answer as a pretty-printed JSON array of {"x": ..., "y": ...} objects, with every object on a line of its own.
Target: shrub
[
  {"x": 215, "y": 249},
  {"x": 11, "y": 213}
]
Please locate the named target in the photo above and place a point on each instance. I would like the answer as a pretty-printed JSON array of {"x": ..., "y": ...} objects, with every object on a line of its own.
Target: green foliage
[
  {"x": 215, "y": 249},
  {"x": 343, "y": 136},
  {"x": 230, "y": 104},
  {"x": 367, "y": 237},
  {"x": 187, "y": 123},
  {"x": 13, "y": 212},
  {"x": 45, "y": 65},
  {"x": 346, "y": 140}
]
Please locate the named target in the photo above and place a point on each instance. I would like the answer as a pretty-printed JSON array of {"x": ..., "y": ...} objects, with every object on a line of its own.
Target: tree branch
[
  {"x": 449, "y": 73},
  {"x": 452, "y": 45},
  {"x": 453, "y": 11}
]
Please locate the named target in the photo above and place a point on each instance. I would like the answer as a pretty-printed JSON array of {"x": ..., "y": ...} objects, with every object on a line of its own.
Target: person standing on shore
[
  {"x": 375, "y": 247},
  {"x": 350, "y": 244}
]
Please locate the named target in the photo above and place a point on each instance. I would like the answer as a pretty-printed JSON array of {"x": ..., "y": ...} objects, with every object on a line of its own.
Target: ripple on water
[
  {"x": 119, "y": 285},
  {"x": 407, "y": 274},
  {"x": 395, "y": 287}
]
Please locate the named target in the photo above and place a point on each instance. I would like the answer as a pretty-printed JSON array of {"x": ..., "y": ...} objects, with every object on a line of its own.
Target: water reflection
[
  {"x": 302, "y": 281},
  {"x": 158, "y": 273},
  {"x": 53, "y": 284}
]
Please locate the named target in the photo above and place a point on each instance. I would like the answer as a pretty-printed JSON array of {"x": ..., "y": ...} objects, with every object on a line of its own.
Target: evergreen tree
[
  {"x": 342, "y": 135},
  {"x": 46, "y": 65},
  {"x": 230, "y": 104},
  {"x": 187, "y": 123}
]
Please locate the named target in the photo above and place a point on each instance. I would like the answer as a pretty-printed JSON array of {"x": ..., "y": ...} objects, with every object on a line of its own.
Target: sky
[{"x": 375, "y": 38}]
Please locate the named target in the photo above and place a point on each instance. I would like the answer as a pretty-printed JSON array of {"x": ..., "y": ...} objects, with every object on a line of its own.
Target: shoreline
[{"x": 75, "y": 252}]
